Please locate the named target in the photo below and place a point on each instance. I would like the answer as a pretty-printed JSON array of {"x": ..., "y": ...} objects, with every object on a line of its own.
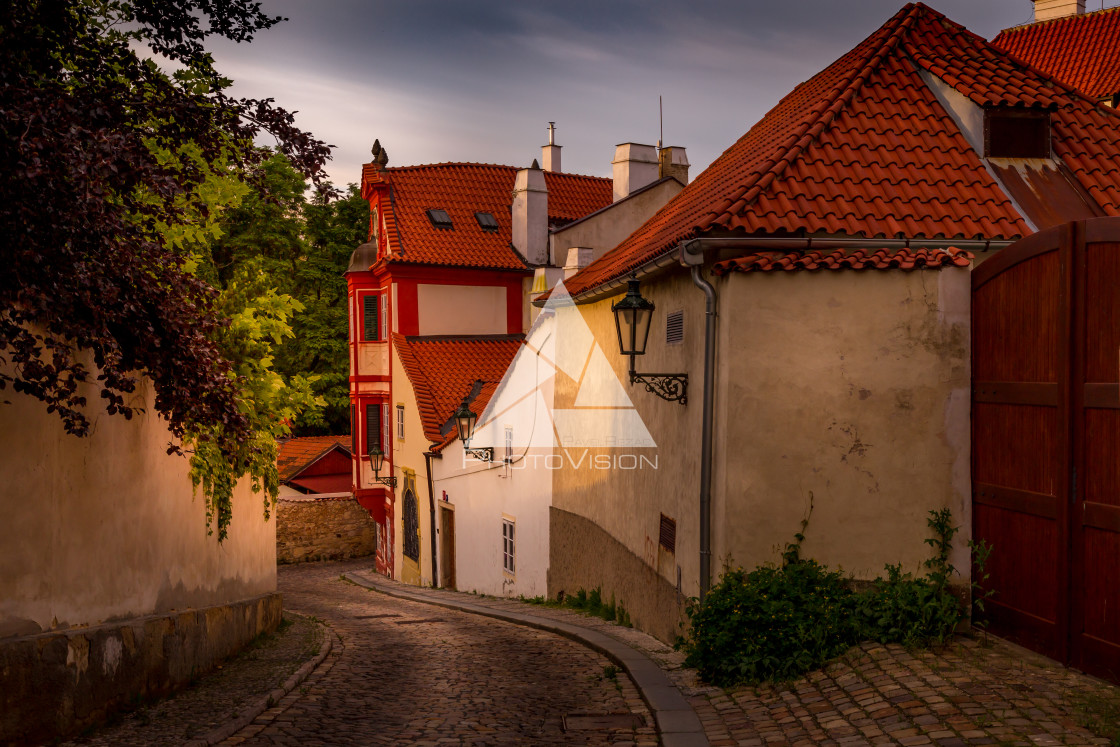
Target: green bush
[
  {"x": 777, "y": 623},
  {"x": 770, "y": 623}
]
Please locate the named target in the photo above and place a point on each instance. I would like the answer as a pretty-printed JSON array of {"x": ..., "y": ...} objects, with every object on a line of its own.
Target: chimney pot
[
  {"x": 634, "y": 166},
  {"x": 1044, "y": 10},
  {"x": 530, "y": 215},
  {"x": 673, "y": 161}
]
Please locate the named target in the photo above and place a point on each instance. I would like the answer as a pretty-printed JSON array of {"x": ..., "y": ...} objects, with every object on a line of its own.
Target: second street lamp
[
  {"x": 376, "y": 459},
  {"x": 465, "y": 420},
  {"x": 632, "y": 317}
]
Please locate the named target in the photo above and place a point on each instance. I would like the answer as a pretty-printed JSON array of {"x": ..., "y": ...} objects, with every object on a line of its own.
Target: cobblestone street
[
  {"x": 404, "y": 672},
  {"x": 407, "y": 673}
]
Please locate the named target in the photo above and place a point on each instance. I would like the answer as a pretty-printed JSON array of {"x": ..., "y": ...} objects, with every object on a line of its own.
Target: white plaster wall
[
  {"x": 461, "y": 309},
  {"x": 107, "y": 526},
  {"x": 481, "y": 495}
]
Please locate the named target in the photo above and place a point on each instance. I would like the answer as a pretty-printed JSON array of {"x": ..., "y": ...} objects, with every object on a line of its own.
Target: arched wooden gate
[{"x": 1046, "y": 441}]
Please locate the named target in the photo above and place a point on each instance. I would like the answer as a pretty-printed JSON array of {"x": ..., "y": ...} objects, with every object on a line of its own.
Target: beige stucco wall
[
  {"x": 107, "y": 527},
  {"x": 606, "y": 229},
  {"x": 461, "y": 309},
  {"x": 408, "y": 454},
  {"x": 850, "y": 385}
]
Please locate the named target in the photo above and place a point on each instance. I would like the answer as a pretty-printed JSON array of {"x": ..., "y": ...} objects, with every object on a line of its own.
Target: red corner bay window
[
  {"x": 374, "y": 326},
  {"x": 373, "y": 431}
]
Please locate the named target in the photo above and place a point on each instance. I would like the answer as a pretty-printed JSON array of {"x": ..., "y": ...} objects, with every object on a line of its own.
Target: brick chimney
[
  {"x": 635, "y": 166},
  {"x": 550, "y": 154},
  {"x": 673, "y": 162},
  {"x": 1044, "y": 10},
  {"x": 530, "y": 215}
]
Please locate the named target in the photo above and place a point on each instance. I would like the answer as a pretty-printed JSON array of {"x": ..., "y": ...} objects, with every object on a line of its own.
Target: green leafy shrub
[
  {"x": 777, "y": 623},
  {"x": 770, "y": 623}
]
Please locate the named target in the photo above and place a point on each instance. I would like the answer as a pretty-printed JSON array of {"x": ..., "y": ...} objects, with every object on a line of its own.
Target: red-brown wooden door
[{"x": 1046, "y": 441}]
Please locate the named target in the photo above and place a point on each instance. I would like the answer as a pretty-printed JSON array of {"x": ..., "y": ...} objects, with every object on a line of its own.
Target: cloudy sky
[{"x": 479, "y": 80}]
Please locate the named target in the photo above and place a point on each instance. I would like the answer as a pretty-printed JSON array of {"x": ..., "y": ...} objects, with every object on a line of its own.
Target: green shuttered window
[
  {"x": 370, "y": 324},
  {"x": 373, "y": 427}
]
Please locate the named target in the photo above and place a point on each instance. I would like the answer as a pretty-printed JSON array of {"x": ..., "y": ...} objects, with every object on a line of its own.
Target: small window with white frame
[
  {"x": 400, "y": 422},
  {"x": 508, "y": 546}
]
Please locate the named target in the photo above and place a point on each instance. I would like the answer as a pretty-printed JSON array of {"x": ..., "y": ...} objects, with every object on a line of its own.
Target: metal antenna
[{"x": 660, "y": 122}]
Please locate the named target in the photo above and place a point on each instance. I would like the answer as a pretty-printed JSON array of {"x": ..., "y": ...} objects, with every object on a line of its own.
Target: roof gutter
[{"x": 661, "y": 262}]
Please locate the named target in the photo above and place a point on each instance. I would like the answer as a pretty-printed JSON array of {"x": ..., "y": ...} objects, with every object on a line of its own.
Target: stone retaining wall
[
  {"x": 55, "y": 684},
  {"x": 582, "y": 555},
  {"x": 323, "y": 529}
]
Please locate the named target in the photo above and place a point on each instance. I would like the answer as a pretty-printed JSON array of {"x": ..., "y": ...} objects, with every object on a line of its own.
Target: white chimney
[
  {"x": 1044, "y": 10},
  {"x": 550, "y": 154},
  {"x": 674, "y": 163},
  {"x": 530, "y": 215},
  {"x": 578, "y": 258},
  {"x": 635, "y": 166}
]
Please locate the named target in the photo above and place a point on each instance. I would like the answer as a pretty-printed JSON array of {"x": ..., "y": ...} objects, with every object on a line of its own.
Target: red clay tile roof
[
  {"x": 845, "y": 259},
  {"x": 296, "y": 453},
  {"x": 463, "y": 189},
  {"x": 1081, "y": 50},
  {"x": 865, "y": 149},
  {"x": 443, "y": 370}
]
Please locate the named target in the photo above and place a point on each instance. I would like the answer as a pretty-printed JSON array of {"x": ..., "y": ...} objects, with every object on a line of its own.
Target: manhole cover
[
  {"x": 375, "y": 617},
  {"x": 417, "y": 622},
  {"x": 602, "y": 721}
]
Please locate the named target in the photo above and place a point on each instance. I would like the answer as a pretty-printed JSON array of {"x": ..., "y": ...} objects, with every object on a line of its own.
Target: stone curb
[
  {"x": 676, "y": 721},
  {"x": 250, "y": 714}
]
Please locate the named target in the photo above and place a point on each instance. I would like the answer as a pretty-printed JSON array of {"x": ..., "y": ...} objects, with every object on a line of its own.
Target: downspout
[
  {"x": 432, "y": 507},
  {"x": 695, "y": 260}
]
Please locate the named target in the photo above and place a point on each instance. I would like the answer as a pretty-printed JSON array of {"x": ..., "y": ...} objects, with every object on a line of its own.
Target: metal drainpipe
[
  {"x": 432, "y": 507},
  {"x": 707, "y": 423}
]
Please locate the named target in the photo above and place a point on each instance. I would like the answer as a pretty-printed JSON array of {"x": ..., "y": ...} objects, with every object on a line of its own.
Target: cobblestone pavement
[
  {"x": 972, "y": 692},
  {"x": 405, "y": 673}
]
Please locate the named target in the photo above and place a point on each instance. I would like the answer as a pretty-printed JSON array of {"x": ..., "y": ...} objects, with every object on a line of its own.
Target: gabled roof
[
  {"x": 463, "y": 189},
  {"x": 865, "y": 149},
  {"x": 297, "y": 454},
  {"x": 444, "y": 370},
  {"x": 1080, "y": 50}
]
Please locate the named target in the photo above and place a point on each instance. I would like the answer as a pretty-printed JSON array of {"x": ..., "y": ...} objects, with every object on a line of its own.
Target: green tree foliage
[
  {"x": 304, "y": 248},
  {"x": 115, "y": 173}
]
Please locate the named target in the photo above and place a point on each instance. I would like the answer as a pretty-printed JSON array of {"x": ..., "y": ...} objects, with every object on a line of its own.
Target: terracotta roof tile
[
  {"x": 845, "y": 259},
  {"x": 463, "y": 189},
  {"x": 295, "y": 454},
  {"x": 865, "y": 149},
  {"x": 443, "y": 370},
  {"x": 1081, "y": 50}
]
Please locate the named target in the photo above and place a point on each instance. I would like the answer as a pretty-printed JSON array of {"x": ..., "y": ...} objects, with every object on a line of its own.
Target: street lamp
[
  {"x": 465, "y": 421},
  {"x": 632, "y": 317},
  {"x": 376, "y": 459}
]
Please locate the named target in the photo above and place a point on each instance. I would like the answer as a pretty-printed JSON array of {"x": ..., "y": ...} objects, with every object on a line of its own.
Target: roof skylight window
[
  {"x": 486, "y": 222},
  {"x": 1016, "y": 133},
  {"x": 439, "y": 218}
]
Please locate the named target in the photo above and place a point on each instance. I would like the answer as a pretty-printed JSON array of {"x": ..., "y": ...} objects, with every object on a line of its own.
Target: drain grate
[
  {"x": 417, "y": 622},
  {"x": 376, "y": 617},
  {"x": 602, "y": 721}
]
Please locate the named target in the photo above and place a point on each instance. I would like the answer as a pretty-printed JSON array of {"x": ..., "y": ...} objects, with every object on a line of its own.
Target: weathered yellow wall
[
  {"x": 850, "y": 385},
  {"x": 106, "y": 527},
  {"x": 408, "y": 453}
]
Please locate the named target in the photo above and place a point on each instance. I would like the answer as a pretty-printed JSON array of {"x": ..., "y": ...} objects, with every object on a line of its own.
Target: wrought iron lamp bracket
[
  {"x": 482, "y": 455},
  {"x": 390, "y": 481},
  {"x": 671, "y": 387}
]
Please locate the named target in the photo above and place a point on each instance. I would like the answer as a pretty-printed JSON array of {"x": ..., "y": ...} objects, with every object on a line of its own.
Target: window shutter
[
  {"x": 353, "y": 429},
  {"x": 373, "y": 427},
  {"x": 369, "y": 318},
  {"x": 384, "y": 318}
]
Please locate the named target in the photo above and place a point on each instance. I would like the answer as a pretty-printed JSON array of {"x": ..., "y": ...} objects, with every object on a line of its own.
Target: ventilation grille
[
  {"x": 668, "y": 538},
  {"x": 674, "y": 328}
]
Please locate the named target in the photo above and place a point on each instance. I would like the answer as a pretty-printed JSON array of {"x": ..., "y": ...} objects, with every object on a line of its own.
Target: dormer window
[
  {"x": 439, "y": 218},
  {"x": 1016, "y": 133},
  {"x": 486, "y": 222}
]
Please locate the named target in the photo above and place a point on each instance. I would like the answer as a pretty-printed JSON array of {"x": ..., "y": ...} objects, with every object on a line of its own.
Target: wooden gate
[{"x": 1046, "y": 441}]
